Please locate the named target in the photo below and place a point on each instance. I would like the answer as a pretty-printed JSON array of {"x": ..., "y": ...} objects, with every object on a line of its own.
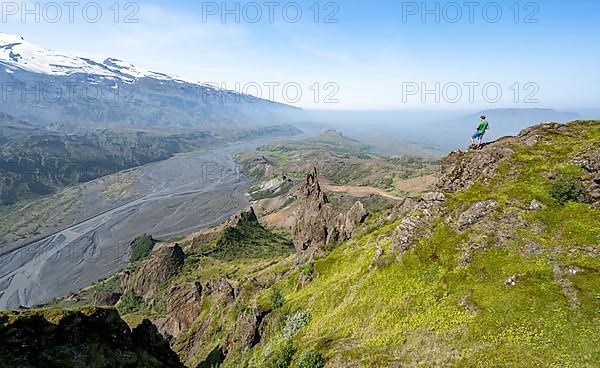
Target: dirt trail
[
  {"x": 358, "y": 191},
  {"x": 417, "y": 184}
]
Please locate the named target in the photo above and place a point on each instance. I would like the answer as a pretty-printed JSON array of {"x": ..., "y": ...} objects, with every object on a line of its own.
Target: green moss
[
  {"x": 277, "y": 299},
  {"x": 248, "y": 240},
  {"x": 141, "y": 248},
  {"x": 310, "y": 359},
  {"x": 282, "y": 357}
]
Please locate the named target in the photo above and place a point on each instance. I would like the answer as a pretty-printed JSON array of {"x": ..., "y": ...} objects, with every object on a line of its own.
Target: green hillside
[{"x": 499, "y": 268}]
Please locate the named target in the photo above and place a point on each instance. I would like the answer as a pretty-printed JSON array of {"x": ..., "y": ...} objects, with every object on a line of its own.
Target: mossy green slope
[{"x": 427, "y": 308}]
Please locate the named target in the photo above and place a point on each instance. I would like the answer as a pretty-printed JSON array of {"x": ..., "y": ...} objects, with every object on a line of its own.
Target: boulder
[
  {"x": 379, "y": 252},
  {"x": 535, "y": 205},
  {"x": 434, "y": 197},
  {"x": 511, "y": 281}
]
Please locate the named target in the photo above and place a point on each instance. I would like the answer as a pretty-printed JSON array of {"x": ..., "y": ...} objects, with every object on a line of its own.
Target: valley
[
  {"x": 85, "y": 230},
  {"x": 352, "y": 185}
]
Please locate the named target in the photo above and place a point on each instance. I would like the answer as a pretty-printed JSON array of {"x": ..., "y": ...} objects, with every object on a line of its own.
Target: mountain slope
[
  {"x": 44, "y": 86},
  {"x": 499, "y": 268}
]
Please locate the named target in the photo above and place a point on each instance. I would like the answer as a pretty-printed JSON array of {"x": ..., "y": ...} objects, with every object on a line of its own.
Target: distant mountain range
[{"x": 43, "y": 86}]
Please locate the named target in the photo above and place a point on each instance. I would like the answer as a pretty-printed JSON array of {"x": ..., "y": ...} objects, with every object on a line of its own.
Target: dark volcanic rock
[
  {"x": 92, "y": 337},
  {"x": 183, "y": 307},
  {"x": 591, "y": 164},
  {"x": 418, "y": 215},
  {"x": 244, "y": 216},
  {"x": 221, "y": 289},
  {"x": 146, "y": 335},
  {"x": 318, "y": 225},
  {"x": 165, "y": 262},
  {"x": 246, "y": 333},
  {"x": 461, "y": 170},
  {"x": 105, "y": 299},
  {"x": 313, "y": 224}
]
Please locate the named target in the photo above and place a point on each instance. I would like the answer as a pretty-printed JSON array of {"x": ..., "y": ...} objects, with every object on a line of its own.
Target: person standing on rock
[{"x": 481, "y": 129}]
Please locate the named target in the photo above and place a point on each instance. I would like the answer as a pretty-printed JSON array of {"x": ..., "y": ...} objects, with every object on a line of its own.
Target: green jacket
[{"x": 483, "y": 127}]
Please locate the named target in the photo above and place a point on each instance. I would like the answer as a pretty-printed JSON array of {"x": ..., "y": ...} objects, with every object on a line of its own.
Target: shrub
[
  {"x": 141, "y": 248},
  {"x": 308, "y": 269},
  {"x": 282, "y": 357},
  {"x": 564, "y": 190},
  {"x": 294, "y": 323},
  {"x": 310, "y": 359},
  {"x": 277, "y": 299},
  {"x": 130, "y": 303}
]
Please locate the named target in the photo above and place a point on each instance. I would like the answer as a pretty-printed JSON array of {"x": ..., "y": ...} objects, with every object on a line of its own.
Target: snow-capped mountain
[
  {"x": 17, "y": 53},
  {"x": 44, "y": 86}
]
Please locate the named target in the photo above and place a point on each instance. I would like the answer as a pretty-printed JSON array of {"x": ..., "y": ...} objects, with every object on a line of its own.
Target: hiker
[{"x": 481, "y": 129}]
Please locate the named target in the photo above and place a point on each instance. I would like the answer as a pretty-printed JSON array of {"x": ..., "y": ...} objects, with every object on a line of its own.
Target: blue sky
[{"x": 371, "y": 57}]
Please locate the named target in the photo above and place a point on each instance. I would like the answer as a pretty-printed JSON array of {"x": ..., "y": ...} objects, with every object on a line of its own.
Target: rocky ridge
[{"x": 91, "y": 337}]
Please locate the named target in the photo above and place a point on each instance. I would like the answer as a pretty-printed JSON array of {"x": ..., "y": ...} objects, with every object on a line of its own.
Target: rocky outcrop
[
  {"x": 418, "y": 215},
  {"x": 146, "y": 335},
  {"x": 245, "y": 216},
  {"x": 318, "y": 225},
  {"x": 221, "y": 289},
  {"x": 561, "y": 276},
  {"x": 476, "y": 213},
  {"x": 246, "y": 333},
  {"x": 105, "y": 299},
  {"x": 356, "y": 215},
  {"x": 460, "y": 170},
  {"x": 591, "y": 164},
  {"x": 315, "y": 215},
  {"x": 183, "y": 307},
  {"x": 165, "y": 262},
  {"x": 91, "y": 337}
]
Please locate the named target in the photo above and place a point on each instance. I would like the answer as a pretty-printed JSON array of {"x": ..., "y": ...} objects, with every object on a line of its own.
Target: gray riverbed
[{"x": 175, "y": 197}]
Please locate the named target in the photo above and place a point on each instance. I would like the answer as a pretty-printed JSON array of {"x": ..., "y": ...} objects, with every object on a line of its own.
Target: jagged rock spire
[{"x": 318, "y": 224}]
